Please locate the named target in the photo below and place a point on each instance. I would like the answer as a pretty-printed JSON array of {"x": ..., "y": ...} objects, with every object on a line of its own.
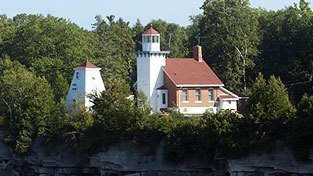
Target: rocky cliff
[{"x": 126, "y": 159}]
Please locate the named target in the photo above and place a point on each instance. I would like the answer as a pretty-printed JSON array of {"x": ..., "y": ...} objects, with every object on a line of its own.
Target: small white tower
[
  {"x": 149, "y": 67},
  {"x": 86, "y": 80}
]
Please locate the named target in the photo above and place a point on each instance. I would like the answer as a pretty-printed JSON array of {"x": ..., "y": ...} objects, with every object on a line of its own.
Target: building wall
[
  {"x": 229, "y": 104},
  {"x": 85, "y": 81},
  {"x": 192, "y": 97},
  {"x": 172, "y": 91},
  {"x": 143, "y": 76},
  {"x": 76, "y": 94},
  {"x": 150, "y": 76},
  {"x": 93, "y": 84},
  {"x": 197, "y": 107}
]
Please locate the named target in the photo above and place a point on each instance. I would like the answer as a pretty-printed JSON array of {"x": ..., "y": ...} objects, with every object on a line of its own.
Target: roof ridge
[{"x": 87, "y": 64}]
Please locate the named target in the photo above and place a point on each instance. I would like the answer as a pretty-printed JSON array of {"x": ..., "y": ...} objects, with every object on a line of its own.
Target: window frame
[
  {"x": 210, "y": 94},
  {"x": 163, "y": 98},
  {"x": 198, "y": 97},
  {"x": 185, "y": 95}
]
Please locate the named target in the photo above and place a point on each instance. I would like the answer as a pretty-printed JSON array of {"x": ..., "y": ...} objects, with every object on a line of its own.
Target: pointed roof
[
  {"x": 188, "y": 71},
  {"x": 87, "y": 64},
  {"x": 151, "y": 31}
]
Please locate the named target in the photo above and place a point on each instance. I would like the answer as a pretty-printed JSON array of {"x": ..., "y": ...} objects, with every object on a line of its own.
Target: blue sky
[{"x": 82, "y": 12}]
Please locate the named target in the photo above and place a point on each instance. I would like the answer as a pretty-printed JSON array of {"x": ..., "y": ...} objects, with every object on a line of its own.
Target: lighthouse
[
  {"x": 149, "y": 67},
  {"x": 86, "y": 80}
]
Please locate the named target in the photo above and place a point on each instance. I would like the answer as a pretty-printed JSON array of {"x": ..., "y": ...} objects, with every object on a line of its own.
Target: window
[
  {"x": 163, "y": 98},
  {"x": 153, "y": 39},
  {"x": 211, "y": 95},
  {"x": 198, "y": 94},
  {"x": 149, "y": 39},
  {"x": 73, "y": 86},
  {"x": 77, "y": 75},
  {"x": 229, "y": 102},
  {"x": 74, "y": 101},
  {"x": 185, "y": 94}
]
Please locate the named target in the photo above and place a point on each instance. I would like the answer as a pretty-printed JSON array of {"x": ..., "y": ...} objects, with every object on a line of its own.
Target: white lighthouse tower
[
  {"x": 149, "y": 67},
  {"x": 86, "y": 80}
]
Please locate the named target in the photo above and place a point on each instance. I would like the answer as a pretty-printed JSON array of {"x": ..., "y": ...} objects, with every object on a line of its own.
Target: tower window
[
  {"x": 185, "y": 94},
  {"x": 77, "y": 75},
  {"x": 149, "y": 39}
]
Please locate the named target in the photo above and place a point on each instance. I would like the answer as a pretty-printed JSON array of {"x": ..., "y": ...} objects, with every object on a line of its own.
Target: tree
[
  {"x": 115, "y": 49},
  {"x": 271, "y": 109},
  {"x": 113, "y": 111},
  {"x": 76, "y": 124},
  {"x": 230, "y": 36},
  {"x": 6, "y": 27},
  {"x": 138, "y": 30},
  {"x": 286, "y": 47},
  {"x": 173, "y": 38},
  {"x": 300, "y": 129},
  {"x": 27, "y": 104},
  {"x": 50, "y": 46}
]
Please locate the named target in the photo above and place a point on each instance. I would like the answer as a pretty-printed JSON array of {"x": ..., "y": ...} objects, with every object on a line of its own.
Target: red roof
[
  {"x": 188, "y": 71},
  {"x": 87, "y": 64},
  {"x": 151, "y": 31}
]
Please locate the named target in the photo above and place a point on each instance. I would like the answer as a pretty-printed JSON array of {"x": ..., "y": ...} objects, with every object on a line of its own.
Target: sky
[{"x": 83, "y": 12}]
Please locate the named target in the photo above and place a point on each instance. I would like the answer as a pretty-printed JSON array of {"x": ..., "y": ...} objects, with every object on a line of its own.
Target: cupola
[{"x": 151, "y": 40}]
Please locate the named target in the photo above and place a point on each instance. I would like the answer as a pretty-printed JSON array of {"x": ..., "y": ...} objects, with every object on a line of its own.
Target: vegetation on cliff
[{"x": 39, "y": 52}]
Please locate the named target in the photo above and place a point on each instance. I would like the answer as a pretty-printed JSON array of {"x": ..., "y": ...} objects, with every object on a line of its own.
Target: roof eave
[{"x": 199, "y": 85}]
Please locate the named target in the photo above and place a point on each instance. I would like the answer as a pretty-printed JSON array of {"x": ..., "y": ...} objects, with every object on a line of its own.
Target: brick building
[{"x": 187, "y": 84}]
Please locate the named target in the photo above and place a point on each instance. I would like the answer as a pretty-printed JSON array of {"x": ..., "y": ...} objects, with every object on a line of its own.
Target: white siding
[{"x": 85, "y": 81}]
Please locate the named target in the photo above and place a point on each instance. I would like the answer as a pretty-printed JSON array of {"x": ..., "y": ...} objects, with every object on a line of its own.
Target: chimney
[{"x": 197, "y": 53}]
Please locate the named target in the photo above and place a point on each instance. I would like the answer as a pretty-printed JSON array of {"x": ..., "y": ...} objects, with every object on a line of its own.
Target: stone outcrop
[{"x": 127, "y": 159}]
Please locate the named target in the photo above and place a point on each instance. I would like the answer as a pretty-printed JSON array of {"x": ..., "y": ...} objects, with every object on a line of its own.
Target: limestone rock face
[
  {"x": 127, "y": 159},
  {"x": 280, "y": 162}
]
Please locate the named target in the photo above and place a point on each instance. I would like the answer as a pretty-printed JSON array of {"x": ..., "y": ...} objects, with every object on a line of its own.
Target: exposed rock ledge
[{"x": 125, "y": 159}]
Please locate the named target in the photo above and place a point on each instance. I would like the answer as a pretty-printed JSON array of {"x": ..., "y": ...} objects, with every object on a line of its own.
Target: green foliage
[
  {"x": 286, "y": 46},
  {"x": 76, "y": 125},
  {"x": 113, "y": 111},
  {"x": 300, "y": 130},
  {"x": 230, "y": 39},
  {"x": 271, "y": 109},
  {"x": 173, "y": 38},
  {"x": 305, "y": 107},
  {"x": 50, "y": 46},
  {"x": 183, "y": 139},
  {"x": 27, "y": 102},
  {"x": 115, "y": 48},
  {"x": 270, "y": 101},
  {"x": 229, "y": 129}
]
